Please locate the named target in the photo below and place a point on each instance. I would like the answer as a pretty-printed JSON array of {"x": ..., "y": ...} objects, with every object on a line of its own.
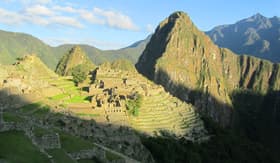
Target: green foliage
[
  {"x": 133, "y": 105},
  {"x": 9, "y": 117},
  {"x": 224, "y": 146},
  {"x": 59, "y": 155},
  {"x": 73, "y": 144},
  {"x": 79, "y": 74},
  {"x": 258, "y": 116},
  {"x": 16, "y": 147},
  {"x": 30, "y": 107},
  {"x": 87, "y": 115},
  {"x": 78, "y": 99},
  {"x": 60, "y": 68},
  {"x": 40, "y": 131},
  {"x": 111, "y": 156}
]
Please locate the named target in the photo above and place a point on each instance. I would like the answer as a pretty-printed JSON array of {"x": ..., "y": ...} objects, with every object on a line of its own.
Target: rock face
[
  {"x": 189, "y": 65},
  {"x": 75, "y": 57},
  {"x": 256, "y": 35}
]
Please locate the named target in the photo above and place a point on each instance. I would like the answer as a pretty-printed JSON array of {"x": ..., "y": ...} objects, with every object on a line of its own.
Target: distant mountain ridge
[
  {"x": 16, "y": 45},
  {"x": 257, "y": 35}
]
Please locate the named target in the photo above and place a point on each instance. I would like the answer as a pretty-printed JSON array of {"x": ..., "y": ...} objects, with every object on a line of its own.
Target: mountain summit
[
  {"x": 74, "y": 58},
  {"x": 257, "y": 35},
  {"x": 189, "y": 65}
]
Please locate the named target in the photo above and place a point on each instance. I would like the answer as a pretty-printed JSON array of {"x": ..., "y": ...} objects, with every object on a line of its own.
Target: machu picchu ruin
[{"x": 173, "y": 97}]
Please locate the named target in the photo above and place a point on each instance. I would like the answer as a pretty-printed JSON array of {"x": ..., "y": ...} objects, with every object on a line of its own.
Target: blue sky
[{"x": 112, "y": 24}]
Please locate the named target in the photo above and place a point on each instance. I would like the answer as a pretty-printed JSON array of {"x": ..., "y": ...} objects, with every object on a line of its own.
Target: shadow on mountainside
[
  {"x": 205, "y": 103},
  {"x": 258, "y": 116},
  {"x": 252, "y": 123},
  {"x": 224, "y": 145},
  {"x": 25, "y": 116}
]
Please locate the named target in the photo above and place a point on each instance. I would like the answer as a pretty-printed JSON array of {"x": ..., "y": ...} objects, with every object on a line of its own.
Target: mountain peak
[
  {"x": 258, "y": 16},
  {"x": 75, "y": 57},
  {"x": 178, "y": 16}
]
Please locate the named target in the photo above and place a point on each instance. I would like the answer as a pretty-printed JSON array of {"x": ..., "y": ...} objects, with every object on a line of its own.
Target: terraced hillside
[
  {"x": 158, "y": 113},
  {"x": 38, "y": 103}
]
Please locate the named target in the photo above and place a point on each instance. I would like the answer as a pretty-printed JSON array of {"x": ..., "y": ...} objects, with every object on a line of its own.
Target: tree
[{"x": 78, "y": 73}]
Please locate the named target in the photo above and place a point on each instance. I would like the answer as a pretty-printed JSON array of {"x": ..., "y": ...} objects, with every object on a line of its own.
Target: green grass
[
  {"x": 41, "y": 112},
  {"x": 15, "y": 147},
  {"x": 78, "y": 99},
  {"x": 60, "y": 156},
  {"x": 111, "y": 156},
  {"x": 88, "y": 115},
  {"x": 40, "y": 131},
  {"x": 88, "y": 161},
  {"x": 73, "y": 144},
  {"x": 30, "y": 107},
  {"x": 9, "y": 117},
  {"x": 59, "y": 97}
]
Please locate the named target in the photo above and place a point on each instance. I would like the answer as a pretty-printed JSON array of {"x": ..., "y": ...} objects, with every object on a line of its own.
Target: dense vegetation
[
  {"x": 17, "y": 147},
  {"x": 224, "y": 146},
  {"x": 258, "y": 116},
  {"x": 133, "y": 105},
  {"x": 79, "y": 74}
]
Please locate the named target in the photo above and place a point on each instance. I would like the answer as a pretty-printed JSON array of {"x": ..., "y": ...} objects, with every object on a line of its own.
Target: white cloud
[
  {"x": 41, "y": 14},
  {"x": 38, "y": 15},
  {"x": 102, "y": 17},
  {"x": 91, "y": 17},
  {"x": 35, "y": 1},
  {"x": 65, "y": 9},
  {"x": 39, "y": 10},
  {"x": 64, "y": 20},
  {"x": 116, "y": 19},
  {"x": 7, "y": 17},
  {"x": 150, "y": 28}
]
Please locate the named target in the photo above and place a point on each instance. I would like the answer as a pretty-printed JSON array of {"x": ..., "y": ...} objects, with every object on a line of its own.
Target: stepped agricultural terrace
[{"x": 159, "y": 112}]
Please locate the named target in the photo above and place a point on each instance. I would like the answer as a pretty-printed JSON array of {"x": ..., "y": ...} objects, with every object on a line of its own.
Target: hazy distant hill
[
  {"x": 257, "y": 35},
  {"x": 14, "y": 45}
]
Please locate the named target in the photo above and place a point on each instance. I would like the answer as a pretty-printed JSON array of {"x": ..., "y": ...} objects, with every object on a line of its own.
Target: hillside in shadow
[
  {"x": 251, "y": 136},
  {"x": 225, "y": 145},
  {"x": 258, "y": 116}
]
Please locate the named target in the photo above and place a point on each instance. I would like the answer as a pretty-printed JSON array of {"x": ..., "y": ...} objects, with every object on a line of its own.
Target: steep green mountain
[
  {"x": 239, "y": 92},
  {"x": 76, "y": 58},
  {"x": 257, "y": 35},
  {"x": 16, "y": 45},
  {"x": 189, "y": 65}
]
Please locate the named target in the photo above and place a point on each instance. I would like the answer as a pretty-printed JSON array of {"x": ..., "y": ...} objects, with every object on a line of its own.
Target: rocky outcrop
[{"x": 189, "y": 65}]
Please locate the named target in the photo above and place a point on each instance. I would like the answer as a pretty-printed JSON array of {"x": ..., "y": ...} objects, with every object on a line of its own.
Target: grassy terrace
[
  {"x": 16, "y": 147},
  {"x": 164, "y": 112}
]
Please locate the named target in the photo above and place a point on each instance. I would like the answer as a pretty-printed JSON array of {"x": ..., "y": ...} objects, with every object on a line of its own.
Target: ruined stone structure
[{"x": 49, "y": 141}]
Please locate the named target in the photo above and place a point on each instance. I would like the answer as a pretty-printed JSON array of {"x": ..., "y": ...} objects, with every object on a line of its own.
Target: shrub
[
  {"x": 79, "y": 74},
  {"x": 133, "y": 105}
]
